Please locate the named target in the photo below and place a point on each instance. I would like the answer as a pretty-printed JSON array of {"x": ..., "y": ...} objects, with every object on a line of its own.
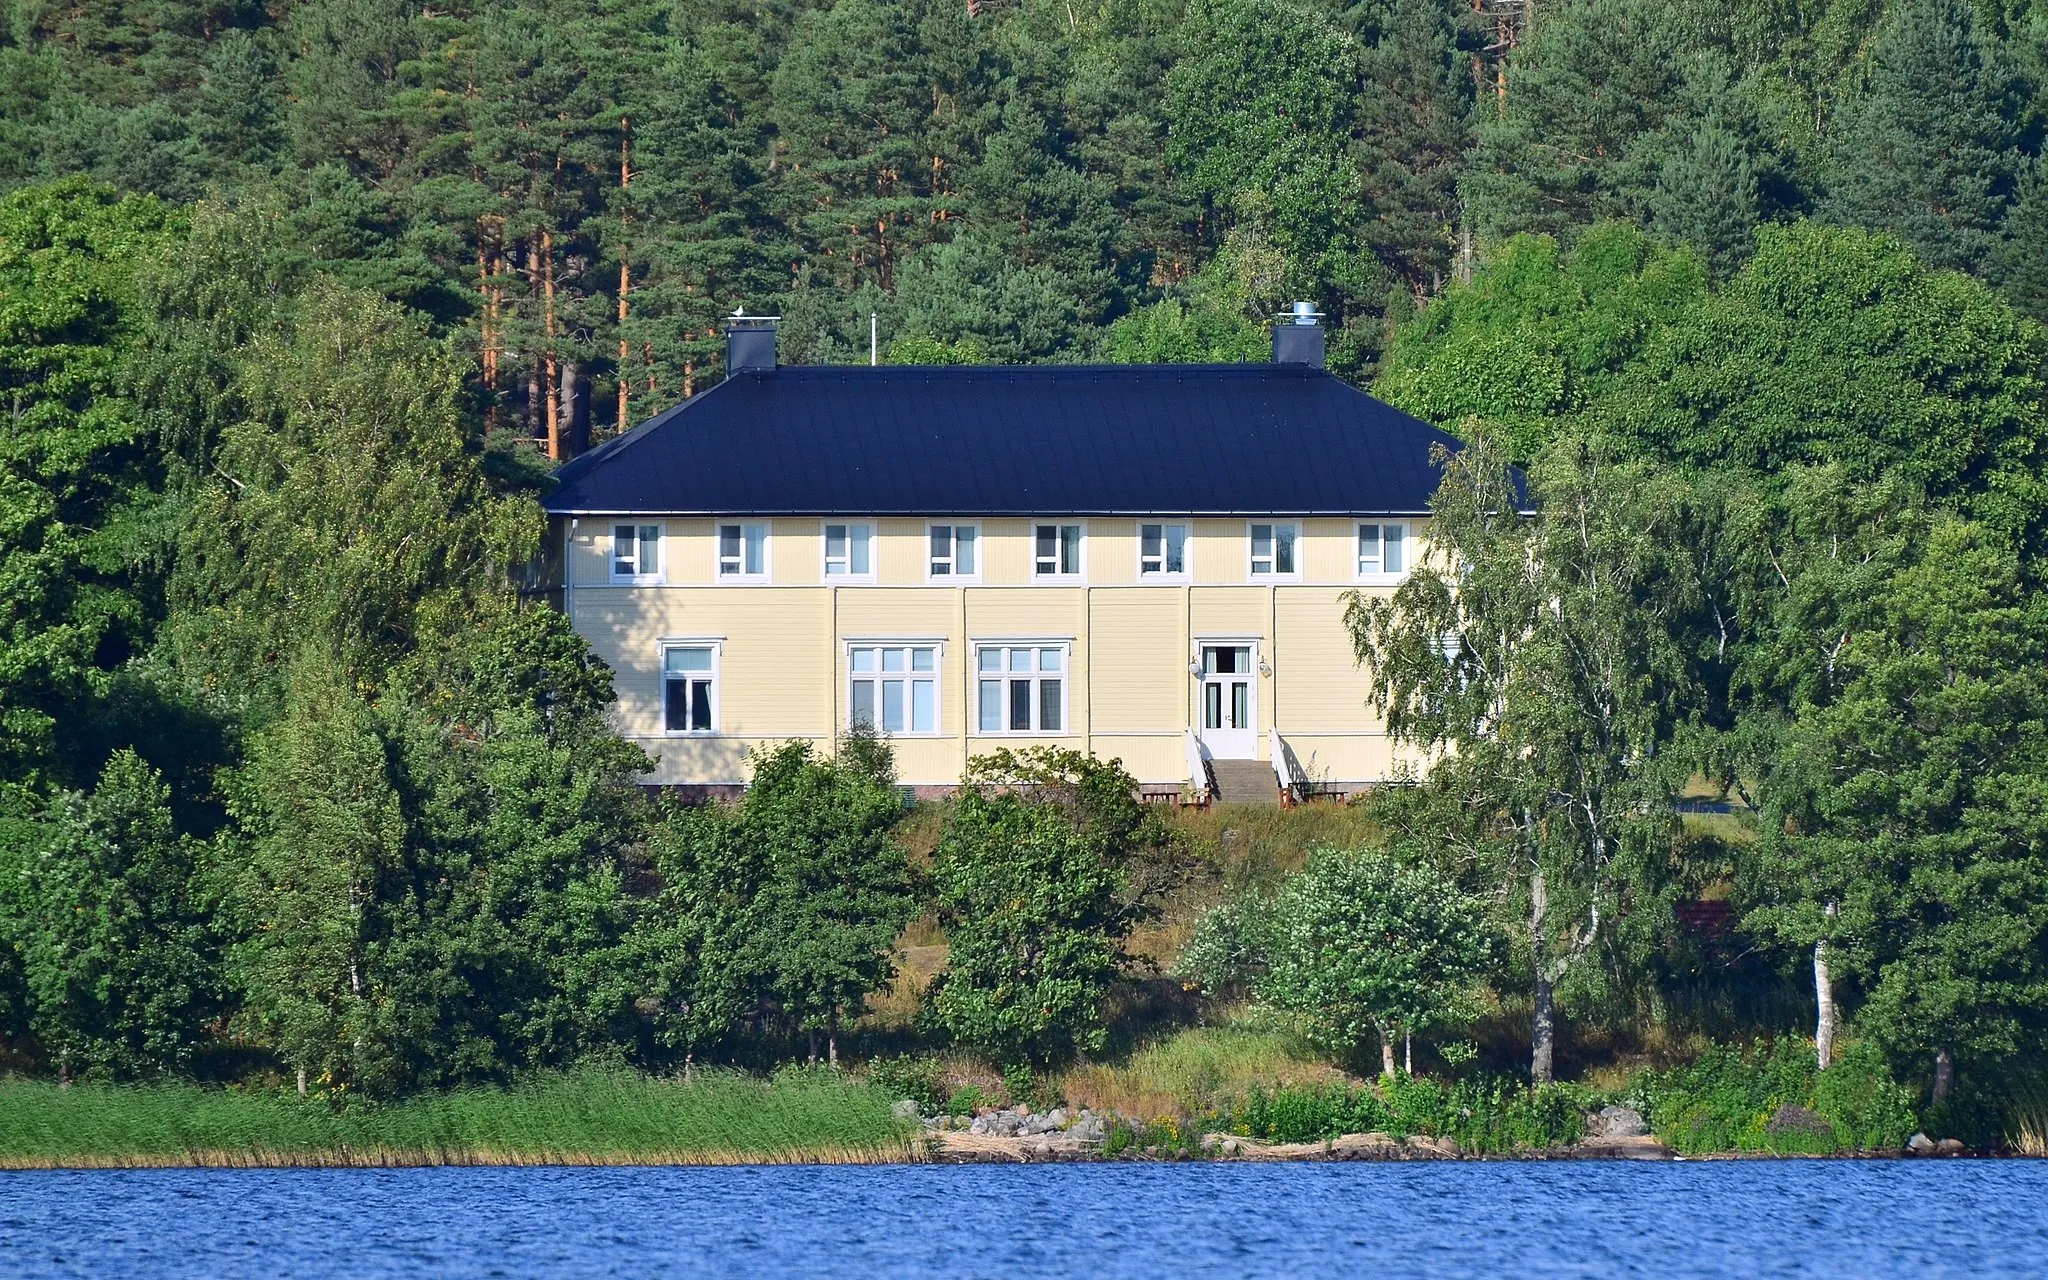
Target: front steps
[{"x": 1245, "y": 782}]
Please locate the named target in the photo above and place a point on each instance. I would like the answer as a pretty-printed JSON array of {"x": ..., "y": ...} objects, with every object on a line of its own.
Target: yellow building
[{"x": 1143, "y": 562}]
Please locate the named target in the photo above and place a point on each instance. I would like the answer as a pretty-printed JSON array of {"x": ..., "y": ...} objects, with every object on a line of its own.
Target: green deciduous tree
[
  {"x": 792, "y": 898},
  {"x": 78, "y": 475},
  {"x": 1900, "y": 679},
  {"x": 1541, "y": 664},
  {"x": 1046, "y": 863},
  {"x": 1357, "y": 946},
  {"x": 119, "y": 943}
]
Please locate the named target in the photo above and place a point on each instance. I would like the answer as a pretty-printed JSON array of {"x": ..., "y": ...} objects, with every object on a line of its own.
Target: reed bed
[{"x": 585, "y": 1118}]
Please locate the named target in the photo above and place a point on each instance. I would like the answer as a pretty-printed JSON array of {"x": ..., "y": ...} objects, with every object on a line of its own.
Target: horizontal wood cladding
[
  {"x": 1217, "y": 551},
  {"x": 783, "y": 672}
]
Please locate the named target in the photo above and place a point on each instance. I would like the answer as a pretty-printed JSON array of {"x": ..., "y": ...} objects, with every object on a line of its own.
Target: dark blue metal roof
[{"x": 1237, "y": 439}]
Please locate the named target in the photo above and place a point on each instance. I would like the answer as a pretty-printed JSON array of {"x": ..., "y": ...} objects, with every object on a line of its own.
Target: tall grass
[
  {"x": 1195, "y": 1071},
  {"x": 587, "y": 1117}
]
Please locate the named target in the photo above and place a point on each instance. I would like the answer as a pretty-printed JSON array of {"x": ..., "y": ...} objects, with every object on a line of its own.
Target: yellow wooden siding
[
  {"x": 1326, "y": 551},
  {"x": 1138, "y": 656},
  {"x": 899, "y": 552},
  {"x": 1112, "y": 552},
  {"x": 1218, "y": 553},
  {"x": 1320, "y": 690},
  {"x": 1006, "y": 552},
  {"x": 782, "y": 665},
  {"x": 795, "y": 551}
]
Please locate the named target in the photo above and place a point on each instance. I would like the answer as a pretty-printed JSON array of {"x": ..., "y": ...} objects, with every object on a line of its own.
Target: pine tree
[
  {"x": 1926, "y": 150},
  {"x": 1707, "y": 197},
  {"x": 1591, "y": 79},
  {"x": 700, "y": 235},
  {"x": 2021, "y": 263},
  {"x": 1415, "y": 123},
  {"x": 237, "y": 108},
  {"x": 874, "y": 103}
]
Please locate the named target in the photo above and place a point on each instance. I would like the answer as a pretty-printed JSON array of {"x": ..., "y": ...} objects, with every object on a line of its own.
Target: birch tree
[{"x": 1537, "y": 657}]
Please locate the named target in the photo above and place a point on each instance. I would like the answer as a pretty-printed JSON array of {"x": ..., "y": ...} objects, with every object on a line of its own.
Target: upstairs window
[
  {"x": 1162, "y": 550},
  {"x": 689, "y": 688},
  {"x": 849, "y": 551},
  {"x": 742, "y": 551},
  {"x": 955, "y": 551},
  {"x": 1021, "y": 688},
  {"x": 1272, "y": 550},
  {"x": 1058, "y": 551},
  {"x": 1382, "y": 551},
  {"x": 636, "y": 553},
  {"x": 894, "y": 688}
]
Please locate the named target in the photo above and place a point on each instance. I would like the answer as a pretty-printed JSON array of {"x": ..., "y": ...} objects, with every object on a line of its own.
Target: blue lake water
[{"x": 1792, "y": 1218}]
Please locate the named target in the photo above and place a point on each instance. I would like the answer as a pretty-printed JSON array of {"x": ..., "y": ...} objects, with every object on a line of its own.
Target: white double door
[{"x": 1227, "y": 713}]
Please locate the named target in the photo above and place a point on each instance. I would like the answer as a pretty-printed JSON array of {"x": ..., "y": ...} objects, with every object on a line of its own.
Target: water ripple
[{"x": 1121, "y": 1222}]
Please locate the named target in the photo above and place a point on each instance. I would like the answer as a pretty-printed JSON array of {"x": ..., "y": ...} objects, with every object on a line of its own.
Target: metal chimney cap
[{"x": 1300, "y": 313}]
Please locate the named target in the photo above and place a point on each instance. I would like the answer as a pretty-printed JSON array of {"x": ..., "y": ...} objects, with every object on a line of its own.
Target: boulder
[
  {"x": 904, "y": 1109},
  {"x": 1919, "y": 1145},
  {"x": 1950, "y": 1147},
  {"x": 1616, "y": 1122},
  {"x": 1089, "y": 1128}
]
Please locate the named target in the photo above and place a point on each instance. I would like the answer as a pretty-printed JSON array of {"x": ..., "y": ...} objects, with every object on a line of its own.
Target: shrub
[
  {"x": 916, "y": 1078},
  {"x": 1734, "y": 1098}
]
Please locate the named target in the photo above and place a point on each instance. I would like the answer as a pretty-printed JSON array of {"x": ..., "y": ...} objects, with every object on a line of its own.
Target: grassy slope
[{"x": 584, "y": 1118}]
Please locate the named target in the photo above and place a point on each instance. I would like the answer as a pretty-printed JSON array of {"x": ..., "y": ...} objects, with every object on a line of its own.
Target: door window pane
[
  {"x": 1240, "y": 704},
  {"x": 1212, "y": 706}
]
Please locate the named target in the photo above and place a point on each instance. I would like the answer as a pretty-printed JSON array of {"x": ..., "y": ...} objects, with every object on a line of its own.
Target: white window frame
[
  {"x": 717, "y": 684},
  {"x": 1061, "y": 578},
  {"x": 1359, "y": 573},
  {"x": 856, "y": 530},
  {"x": 742, "y": 578},
  {"x": 937, "y": 676},
  {"x": 1186, "y": 572},
  {"x": 1002, "y": 679},
  {"x": 640, "y": 576},
  {"x": 1251, "y": 560},
  {"x": 953, "y": 560}
]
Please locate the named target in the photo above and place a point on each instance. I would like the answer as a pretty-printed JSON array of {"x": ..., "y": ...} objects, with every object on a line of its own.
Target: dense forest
[{"x": 298, "y": 300}]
